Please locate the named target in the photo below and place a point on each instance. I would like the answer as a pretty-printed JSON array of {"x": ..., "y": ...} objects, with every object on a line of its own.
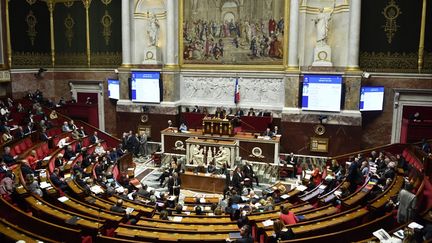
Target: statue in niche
[
  {"x": 197, "y": 155},
  {"x": 153, "y": 30},
  {"x": 222, "y": 156},
  {"x": 322, "y": 25}
]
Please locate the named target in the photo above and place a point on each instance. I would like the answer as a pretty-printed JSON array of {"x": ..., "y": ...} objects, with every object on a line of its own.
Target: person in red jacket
[{"x": 288, "y": 217}]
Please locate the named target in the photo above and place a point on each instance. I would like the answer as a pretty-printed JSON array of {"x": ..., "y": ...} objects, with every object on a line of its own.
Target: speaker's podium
[{"x": 217, "y": 126}]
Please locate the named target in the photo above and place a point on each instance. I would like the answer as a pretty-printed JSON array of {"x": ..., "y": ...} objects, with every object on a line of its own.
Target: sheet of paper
[
  {"x": 63, "y": 199},
  {"x": 267, "y": 223}
]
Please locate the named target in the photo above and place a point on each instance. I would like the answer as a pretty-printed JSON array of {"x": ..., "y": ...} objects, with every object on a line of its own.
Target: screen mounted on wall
[
  {"x": 371, "y": 98},
  {"x": 146, "y": 87},
  {"x": 321, "y": 92}
]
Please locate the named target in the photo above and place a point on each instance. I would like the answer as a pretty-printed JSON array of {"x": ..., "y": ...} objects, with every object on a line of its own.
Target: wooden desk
[
  {"x": 61, "y": 215},
  {"x": 15, "y": 233},
  {"x": 383, "y": 199},
  {"x": 169, "y": 235},
  {"x": 201, "y": 182},
  {"x": 231, "y": 227}
]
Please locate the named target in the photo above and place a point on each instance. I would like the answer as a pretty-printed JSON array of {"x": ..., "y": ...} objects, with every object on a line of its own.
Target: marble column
[
  {"x": 354, "y": 35},
  {"x": 126, "y": 53},
  {"x": 293, "y": 35},
  {"x": 171, "y": 33}
]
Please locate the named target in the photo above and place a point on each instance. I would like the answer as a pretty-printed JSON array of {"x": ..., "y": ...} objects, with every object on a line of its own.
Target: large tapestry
[{"x": 233, "y": 31}]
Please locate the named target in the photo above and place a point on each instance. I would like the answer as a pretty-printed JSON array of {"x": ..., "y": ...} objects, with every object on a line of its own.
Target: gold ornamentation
[
  {"x": 106, "y": 59},
  {"x": 69, "y": 24},
  {"x": 391, "y": 12},
  {"x": 77, "y": 59},
  {"x": 106, "y": 2},
  {"x": 393, "y": 62},
  {"x": 31, "y": 24},
  {"x": 86, "y": 3},
  {"x": 106, "y": 22},
  {"x": 31, "y": 2},
  {"x": 69, "y": 3},
  {"x": 30, "y": 59},
  {"x": 51, "y": 5}
]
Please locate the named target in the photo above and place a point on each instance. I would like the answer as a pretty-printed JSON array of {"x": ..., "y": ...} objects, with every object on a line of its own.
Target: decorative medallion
[
  {"x": 144, "y": 118},
  {"x": 106, "y": 22},
  {"x": 106, "y": 2},
  {"x": 149, "y": 55},
  {"x": 391, "y": 12},
  {"x": 31, "y": 24},
  {"x": 179, "y": 145},
  {"x": 69, "y": 24},
  {"x": 31, "y": 2},
  {"x": 319, "y": 129},
  {"x": 69, "y": 3},
  {"x": 256, "y": 152}
]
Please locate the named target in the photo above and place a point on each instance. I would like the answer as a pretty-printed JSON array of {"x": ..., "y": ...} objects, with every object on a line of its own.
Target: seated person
[
  {"x": 183, "y": 127},
  {"x": 280, "y": 232},
  {"x": 288, "y": 217},
  {"x": 65, "y": 127},
  {"x": 251, "y": 112},
  {"x": 63, "y": 142},
  {"x": 211, "y": 168},
  {"x": 99, "y": 149},
  {"x": 276, "y": 131},
  {"x": 57, "y": 180},
  {"x": 32, "y": 159},
  {"x": 8, "y": 158},
  {"x": 267, "y": 133},
  {"x": 118, "y": 207}
]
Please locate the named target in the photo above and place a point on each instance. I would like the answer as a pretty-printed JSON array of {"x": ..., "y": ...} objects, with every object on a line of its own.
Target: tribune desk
[
  {"x": 250, "y": 146},
  {"x": 202, "y": 182}
]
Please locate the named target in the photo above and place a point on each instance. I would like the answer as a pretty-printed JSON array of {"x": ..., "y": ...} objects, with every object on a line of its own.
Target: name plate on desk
[{"x": 319, "y": 144}]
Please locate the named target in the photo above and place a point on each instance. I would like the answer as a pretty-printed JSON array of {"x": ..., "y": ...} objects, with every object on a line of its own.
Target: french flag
[{"x": 237, "y": 92}]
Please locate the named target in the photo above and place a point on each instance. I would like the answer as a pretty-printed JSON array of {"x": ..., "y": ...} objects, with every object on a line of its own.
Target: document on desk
[
  {"x": 177, "y": 219},
  {"x": 129, "y": 210},
  {"x": 267, "y": 223},
  {"x": 301, "y": 188},
  {"x": 44, "y": 185},
  {"x": 382, "y": 235},
  {"x": 63, "y": 199}
]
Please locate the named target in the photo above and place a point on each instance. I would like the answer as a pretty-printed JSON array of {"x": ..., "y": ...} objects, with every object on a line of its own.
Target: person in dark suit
[
  {"x": 251, "y": 112},
  {"x": 196, "y": 109},
  {"x": 354, "y": 176},
  {"x": 28, "y": 129},
  {"x": 228, "y": 182},
  {"x": 174, "y": 183},
  {"x": 237, "y": 180},
  {"x": 239, "y": 112},
  {"x": 94, "y": 138},
  {"x": 249, "y": 173},
  {"x": 19, "y": 133},
  {"x": 118, "y": 207},
  {"x": 69, "y": 153},
  {"x": 245, "y": 233},
  {"x": 7, "y": 157},
  {"x": 57, "y": 180},
  {"x": 43, "y": 136},
  {"x": 268, "y": 133}
]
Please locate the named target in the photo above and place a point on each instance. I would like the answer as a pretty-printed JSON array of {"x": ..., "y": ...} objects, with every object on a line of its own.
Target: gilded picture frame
[{"x": 230, "y": 37}]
